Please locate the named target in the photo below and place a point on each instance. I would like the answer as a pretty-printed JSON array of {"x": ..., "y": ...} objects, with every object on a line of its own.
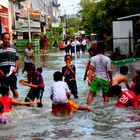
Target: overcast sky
[
  {"x": 69, "y": 6},
  {"x": 4, "y": 3}
]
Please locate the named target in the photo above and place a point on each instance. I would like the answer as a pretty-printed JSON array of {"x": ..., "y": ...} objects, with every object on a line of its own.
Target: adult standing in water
[
  {"x": 8, "y": 64},
  {"x": 100, "y": 65}
]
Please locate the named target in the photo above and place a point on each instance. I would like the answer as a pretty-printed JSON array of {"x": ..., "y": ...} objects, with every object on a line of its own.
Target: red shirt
[
  {"x": 127, "y": 98},
  {"x": 6, "y": 100}
]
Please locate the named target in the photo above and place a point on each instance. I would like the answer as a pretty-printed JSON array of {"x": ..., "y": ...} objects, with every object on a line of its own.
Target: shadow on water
[{"x": 105, "y": 122}]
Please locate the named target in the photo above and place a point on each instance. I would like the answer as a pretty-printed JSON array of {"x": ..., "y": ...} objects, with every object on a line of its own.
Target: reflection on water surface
[{"x": 105, "y": 122}]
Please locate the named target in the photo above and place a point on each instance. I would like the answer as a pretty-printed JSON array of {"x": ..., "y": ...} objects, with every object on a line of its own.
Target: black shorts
[
  {"x": 27, "y": 66},
  {"x": 77, "y": 48},
  {"x": 114, "y": 91},
  {"x": 73, "y": 87},
  {"x": 10, "y": 81},
  {"x": 83, "y": 48},
  {"x": 34, "y": 93}
]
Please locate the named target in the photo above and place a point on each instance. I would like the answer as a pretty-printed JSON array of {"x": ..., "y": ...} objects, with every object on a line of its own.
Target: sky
[
  {"x": 69, "y": 6},
  {"x": 4, "y": 3}
]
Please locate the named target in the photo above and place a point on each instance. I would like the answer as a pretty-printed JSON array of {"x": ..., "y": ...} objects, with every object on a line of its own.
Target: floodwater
[{"x": 105, "y": 122}]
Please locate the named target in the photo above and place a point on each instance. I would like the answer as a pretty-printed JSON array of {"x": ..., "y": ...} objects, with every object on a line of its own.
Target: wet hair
[
  {"x": 2, "y": 36},
  {"x": 4, "y": 89},
  {"x": 68, "y": 55},
  {"x": 39, "y": 69},
  {"x": 1, "y": 106},
  {"x": 101, "y": 47},
  {"x": 136, "y": 88},
  {"x": 124, "y": 70},
  {"x": 57, "y": 76}
]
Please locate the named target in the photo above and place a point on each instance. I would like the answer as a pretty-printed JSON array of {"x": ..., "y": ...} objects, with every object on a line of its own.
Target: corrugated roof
[{"x": 128, "y": 17}]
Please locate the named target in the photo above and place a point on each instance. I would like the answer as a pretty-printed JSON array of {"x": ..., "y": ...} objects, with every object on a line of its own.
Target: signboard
[{"x": 31, "y": 12}]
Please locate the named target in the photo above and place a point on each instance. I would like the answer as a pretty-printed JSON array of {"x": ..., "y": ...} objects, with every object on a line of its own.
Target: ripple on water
[{"x": 105, "y": 122}]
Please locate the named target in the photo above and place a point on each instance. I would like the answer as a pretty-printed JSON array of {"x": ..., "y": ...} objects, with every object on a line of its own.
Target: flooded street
[{"x": 105, "y": 122}]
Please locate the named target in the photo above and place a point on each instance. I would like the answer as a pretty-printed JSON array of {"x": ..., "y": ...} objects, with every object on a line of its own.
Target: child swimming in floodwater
[
  {"x": 8, "y": 102},
  {"x": 58, "y": 95},
  {"x": 117, "y": 79}
]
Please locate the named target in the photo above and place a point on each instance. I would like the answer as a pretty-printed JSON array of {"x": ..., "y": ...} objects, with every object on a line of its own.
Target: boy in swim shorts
[{"x": 101, "y": 67}]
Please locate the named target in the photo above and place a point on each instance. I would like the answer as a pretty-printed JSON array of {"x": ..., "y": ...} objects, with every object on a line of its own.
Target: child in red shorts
[{"x": 58, "y": 95}]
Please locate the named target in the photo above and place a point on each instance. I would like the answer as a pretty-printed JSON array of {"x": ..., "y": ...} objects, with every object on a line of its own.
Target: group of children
[{"x": 98, "y": 71}]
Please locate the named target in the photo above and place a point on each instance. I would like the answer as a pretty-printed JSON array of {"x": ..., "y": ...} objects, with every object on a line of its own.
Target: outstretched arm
[
  {"x": 127, "y": 85},
  {"x": 27, "y": 84},
  {"x": 15, "y": 102}
]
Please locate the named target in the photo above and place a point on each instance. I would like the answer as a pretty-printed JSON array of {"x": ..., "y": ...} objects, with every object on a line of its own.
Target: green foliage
[
  {"x": 97, "y": 17},
  {"x": 74, "y": 25},
  {"x": 54, "y": 35}
]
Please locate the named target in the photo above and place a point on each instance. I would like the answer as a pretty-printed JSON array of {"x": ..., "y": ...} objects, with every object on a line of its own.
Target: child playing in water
[
  {"x": 8, "y": 101},
  {"x": 35, "y": 81},
  {"x": 115, "y": 89},
  {"x": 92, "y": 52},
  {"x": 69, "y": 72},
  {"x": 131, "y": 97},
  {"x": 58, "y": 95},
  {"x": 28, "y": 57},
  {"x": 41, "y": 87},
  {"x": 100, "y": 65},
  {"x": 3, "y": 118}
]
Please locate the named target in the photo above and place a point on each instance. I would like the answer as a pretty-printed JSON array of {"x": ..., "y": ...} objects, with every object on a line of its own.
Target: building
[
  {"x": 126, "y": 33},
  {"x": 4, "y": 22}
]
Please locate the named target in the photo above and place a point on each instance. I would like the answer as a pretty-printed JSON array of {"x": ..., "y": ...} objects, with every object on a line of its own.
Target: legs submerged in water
[{"x": 91, "y": 95}]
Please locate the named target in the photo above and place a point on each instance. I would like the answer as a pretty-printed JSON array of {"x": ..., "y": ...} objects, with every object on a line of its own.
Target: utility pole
[{"x": 29, "y": 25}]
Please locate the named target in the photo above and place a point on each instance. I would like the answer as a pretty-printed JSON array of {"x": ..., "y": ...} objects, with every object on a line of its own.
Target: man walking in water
[{"x": 100, "y": 65}]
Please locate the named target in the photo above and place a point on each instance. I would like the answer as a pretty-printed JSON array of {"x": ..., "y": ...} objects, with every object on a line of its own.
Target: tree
[{"x": 97, "y": 17}]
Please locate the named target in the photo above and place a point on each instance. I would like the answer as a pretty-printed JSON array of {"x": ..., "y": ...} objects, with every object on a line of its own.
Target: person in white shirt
[
  {"x": 77, "y": 41},
  {"x": 83, "y": 46},
  {"x": 73, "y": 46},
  {"x": 28, "y": 57},
  {"x": 58, "y": 95},
  {"x": 67, "y": 45}
]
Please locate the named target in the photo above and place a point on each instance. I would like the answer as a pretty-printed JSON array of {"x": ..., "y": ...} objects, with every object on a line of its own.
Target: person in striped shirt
[{"x": 8, "y": 64}]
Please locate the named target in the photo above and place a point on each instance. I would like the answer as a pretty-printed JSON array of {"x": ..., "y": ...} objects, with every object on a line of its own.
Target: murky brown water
[{"x": 105, "y": 122}]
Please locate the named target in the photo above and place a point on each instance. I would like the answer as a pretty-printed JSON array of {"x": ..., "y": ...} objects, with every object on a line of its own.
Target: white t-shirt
[
  {"x": 73, "y": 44},
  {"x": 101, "y": 64},
  {"x": 77, "y": 42},
  {"x": 28, "y": 56},
  {"x": 84, "y": 42},
  {"x": 59, "y": 90}
]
